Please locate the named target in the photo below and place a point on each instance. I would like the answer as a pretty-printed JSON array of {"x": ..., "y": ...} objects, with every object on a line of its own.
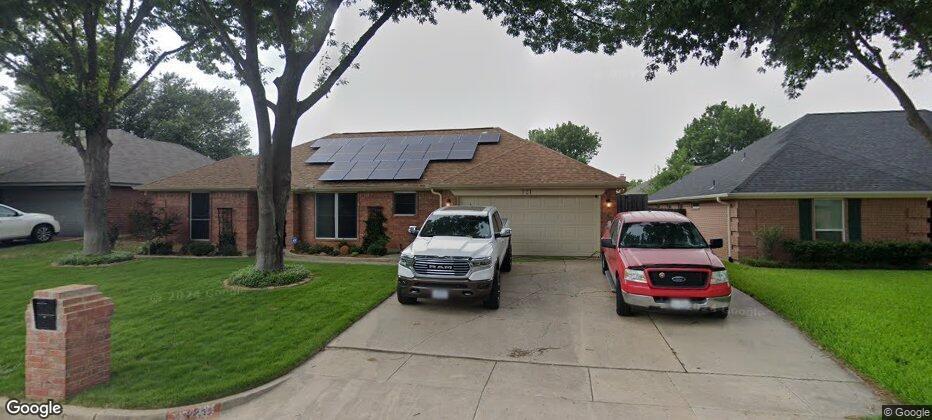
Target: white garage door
[{"x": 563, "y": 225}]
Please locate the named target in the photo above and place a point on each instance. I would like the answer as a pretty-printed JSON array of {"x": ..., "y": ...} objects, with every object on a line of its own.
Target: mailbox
[{"x": 44, "y": 312}]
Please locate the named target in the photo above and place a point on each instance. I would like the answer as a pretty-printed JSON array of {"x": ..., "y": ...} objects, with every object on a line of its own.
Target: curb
[{"x": 203, "y": 410}]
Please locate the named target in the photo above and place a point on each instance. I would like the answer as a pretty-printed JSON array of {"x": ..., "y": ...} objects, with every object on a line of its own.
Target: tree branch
[
  {"x": 149, "y": 71},
  {"x": 239, "y": 63},
  {"x": 317, "y": 41},
  {"x": 346, "y": 61}
]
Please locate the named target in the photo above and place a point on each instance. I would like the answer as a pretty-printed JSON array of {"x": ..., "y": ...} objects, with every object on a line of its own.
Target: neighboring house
[
  {"x": 859, "y": 176},
  {"x": 555, "y": 204},
  {"x": 41, "y": 174}
]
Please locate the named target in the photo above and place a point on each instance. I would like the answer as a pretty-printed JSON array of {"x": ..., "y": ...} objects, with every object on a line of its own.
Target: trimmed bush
[
  {"x": 198, "y": 248},
  {"x": 227, "y": 250},
  {"x": 226, "y": 244},
  {"x": 78, "y": 258},
  {"x": 862, "y": 254},
  {"x": 375, "y": 231},
  {"x": 157, "y": 246},
  {"x": 252, "y": 278},
  {"x": 306, "y": 248},
  {"x": 377, "y": 248}
]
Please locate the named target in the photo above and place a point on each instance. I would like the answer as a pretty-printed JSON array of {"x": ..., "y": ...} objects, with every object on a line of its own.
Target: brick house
[
  {"x": 41, "y": 174},
  {"x": 859, "y": 176},
  {"x": 556, "y": 205}
]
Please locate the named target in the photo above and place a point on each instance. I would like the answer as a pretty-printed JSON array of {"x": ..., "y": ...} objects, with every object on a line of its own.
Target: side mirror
[
  {"x": 505, "y": 233},
  {"x": 607, "y": 243},
  {"x": 716, "y": 243},
  {"x": 412, "y": 230}
]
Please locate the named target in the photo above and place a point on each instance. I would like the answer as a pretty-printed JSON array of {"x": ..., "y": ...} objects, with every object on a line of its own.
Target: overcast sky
[{"x": 466, "y": 72}]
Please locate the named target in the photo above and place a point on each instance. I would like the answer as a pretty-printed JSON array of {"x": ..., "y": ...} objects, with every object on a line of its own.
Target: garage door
[
  {"x": 563, "y": 225},
  {"x": 64, "y": 204}
]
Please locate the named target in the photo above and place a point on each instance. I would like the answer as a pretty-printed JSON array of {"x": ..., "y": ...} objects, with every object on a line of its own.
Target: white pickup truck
[{"x": 457, "y": 254}]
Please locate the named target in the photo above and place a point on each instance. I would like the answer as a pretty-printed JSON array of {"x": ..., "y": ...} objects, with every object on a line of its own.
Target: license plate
[
  {"x": 441, "y": 294},
  {"x": 680, "y": 304}
]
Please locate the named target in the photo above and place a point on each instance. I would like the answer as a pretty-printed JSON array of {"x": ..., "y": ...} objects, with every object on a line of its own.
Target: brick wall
[
  {"x": 175, "y": 203},
  {"x": 396, "y": 226},
  {"x": 607, "y": 213},
  {"x": 710, "y": 218},
  {"x": 894, "y": 219},
  {"x": 750, "y": 215},
  {"x": 120, "y": 204},
  {"x": 245, "y": 213}
]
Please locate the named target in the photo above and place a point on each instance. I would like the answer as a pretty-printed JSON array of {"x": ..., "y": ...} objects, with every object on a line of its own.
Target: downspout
[
  {"x": 439, "y": 198},
  {"x": 728, "y": 226}
]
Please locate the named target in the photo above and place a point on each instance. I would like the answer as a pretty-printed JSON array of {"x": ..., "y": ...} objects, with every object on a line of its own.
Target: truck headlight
[
  {"x": 481, "y": 262},
  {"x": 406, "y": 261},
  {"x": 720, "y": 277},
  {"x": 636, "y": 276}
]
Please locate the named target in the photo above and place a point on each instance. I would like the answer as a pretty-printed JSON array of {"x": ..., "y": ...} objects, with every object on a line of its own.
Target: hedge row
[{"x": 868, "y": 254}]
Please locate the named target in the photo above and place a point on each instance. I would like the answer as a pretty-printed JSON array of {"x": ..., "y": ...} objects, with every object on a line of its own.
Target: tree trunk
[{"x": 96, "y": 157}]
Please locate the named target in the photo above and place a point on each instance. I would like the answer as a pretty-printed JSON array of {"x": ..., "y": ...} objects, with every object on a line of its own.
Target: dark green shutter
[
  {"x": 854, "y": 220},
  {"x": 805, "y": 219}
]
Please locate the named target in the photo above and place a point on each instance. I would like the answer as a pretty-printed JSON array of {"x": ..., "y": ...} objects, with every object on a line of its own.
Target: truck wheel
[
  {"x": 604, "y": 264},
  {"x": 405, "y": 300},
  {"x": 492, "y": 300},
  {"x": 506, "y": 263},
  {"x": 722, "y": 314},
  {"x": 42, "y": 233},
  {"x": 621, "y": 308}
]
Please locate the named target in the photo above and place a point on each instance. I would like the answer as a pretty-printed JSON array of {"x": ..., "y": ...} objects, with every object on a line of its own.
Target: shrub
[
  {"x": 112, "y": 235},
  {"x": 377, "y": 248},
  {"x": 768, "y": 238},
  {"x": 253, "y": 278},
  {"x": 78, "y": 258},
  {"x": 198, "y": 248},
  {"x": 157, "y": 246},
  {"x": 226, "y": 245},
  {"x": 867, "y": 254},
  {"x": 756, "y": 262},
  {"x": 375, "y": 230},
  {"x": 147, "y": 222},
  {"x": 306, "y": 248}
]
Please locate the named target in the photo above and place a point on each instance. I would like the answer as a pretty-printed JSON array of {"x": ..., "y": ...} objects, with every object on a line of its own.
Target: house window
[
  {"x": 200, "y": 216},
  {"x": 829, "y": 220},
  {"x": 695, "y": 206},
  {"x": 405, "y": 204},
  {"x": 335, "y": 216}
]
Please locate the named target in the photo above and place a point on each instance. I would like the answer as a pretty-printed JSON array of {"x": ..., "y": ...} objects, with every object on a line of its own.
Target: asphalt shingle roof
[
  {"x": 513, "y": 162},
  {"x": 834, "y": 152},
  {"x": 43, "y": 159}
]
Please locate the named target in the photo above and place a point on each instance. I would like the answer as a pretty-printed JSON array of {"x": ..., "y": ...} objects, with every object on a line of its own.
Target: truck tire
[
  {"x": 506, "y": 262},
  {"x": 604, "y": 264},
  {"x": 495, "y": 295},
  {"x": 42, "y": 233},
  {"x": 405, "y": 300},
  {"x": 621, "y": 308},
  {"x": 721, "y": 314}
]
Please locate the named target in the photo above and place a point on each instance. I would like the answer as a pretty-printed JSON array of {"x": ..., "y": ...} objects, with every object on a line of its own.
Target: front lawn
[
  {"x": 879, "y": 321},
  {"x": 178, "y": 336}
]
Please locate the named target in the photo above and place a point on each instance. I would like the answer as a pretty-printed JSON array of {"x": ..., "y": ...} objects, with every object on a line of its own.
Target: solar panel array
[{"x": 392, "y": 158}]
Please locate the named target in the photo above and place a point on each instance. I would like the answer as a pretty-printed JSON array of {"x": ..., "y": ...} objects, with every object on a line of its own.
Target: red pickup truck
[{"x": 658, "y": 260}]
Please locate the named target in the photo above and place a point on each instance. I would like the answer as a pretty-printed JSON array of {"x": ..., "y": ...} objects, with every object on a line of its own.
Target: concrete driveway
[{"x": 556, "y": 349}]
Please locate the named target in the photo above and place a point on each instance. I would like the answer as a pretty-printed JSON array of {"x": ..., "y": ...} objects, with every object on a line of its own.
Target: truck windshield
[
  {"x": 661, "y": 235},
  {"x": 458, "y": 225}
]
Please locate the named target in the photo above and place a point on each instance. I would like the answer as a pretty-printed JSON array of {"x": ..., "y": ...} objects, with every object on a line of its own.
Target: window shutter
[
  {"x": 854, "y": 220},
  {"x": 805, "y": 219}
]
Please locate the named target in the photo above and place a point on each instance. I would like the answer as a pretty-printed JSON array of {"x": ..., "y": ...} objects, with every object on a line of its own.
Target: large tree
[
  {"x": 803, "y": 38},
  {"x": 299, "y": 33},
  {"x": 575, "y": 141},
  {"x": 720, "y": 131},
  {"x": 169, "y": 108},
  {"x": 77, "y": 54}
]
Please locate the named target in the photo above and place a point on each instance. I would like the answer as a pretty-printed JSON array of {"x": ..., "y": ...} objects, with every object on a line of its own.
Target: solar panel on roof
[
  {"x": 336, "y": 171},
  {"x": 386, "y": 170},
  {"x": 466, "y": 144},
  {"x": 351, "y": 147},
  {"x": 412, "y": 169},
  {"x": 389, "y": 155},
  {"x": 360, "y": 171},
  {"x": 412, "y": 154},
  {"x": 489, "y": 137},
  {"x": 461, "y": 154},
  {"x": 343, "y": 157}
]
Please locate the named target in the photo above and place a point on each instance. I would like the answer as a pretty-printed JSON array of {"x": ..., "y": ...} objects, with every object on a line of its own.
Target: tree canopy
[
  {"x": 720, "y": 131},
  {"x": 803, "y": 38},
  {"x": 575, "y": 141}
]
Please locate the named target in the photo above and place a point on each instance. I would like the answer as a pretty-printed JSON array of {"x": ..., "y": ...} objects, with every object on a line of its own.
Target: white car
[
  {"x": 15, "y": 224},
  {"x": 458, "y": 253}
]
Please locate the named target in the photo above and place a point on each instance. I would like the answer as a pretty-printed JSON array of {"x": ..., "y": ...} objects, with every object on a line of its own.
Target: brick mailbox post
[{"x": 67, "y": 341}]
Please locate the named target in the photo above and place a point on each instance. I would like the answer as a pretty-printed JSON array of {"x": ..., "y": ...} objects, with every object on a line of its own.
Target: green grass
[
  {"x": 178, "y": 336},
  {"x": 78, "y": 258},
  {"x": 878, "y": 321}
]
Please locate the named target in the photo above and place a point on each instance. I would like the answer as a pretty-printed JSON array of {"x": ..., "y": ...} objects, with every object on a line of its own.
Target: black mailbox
[{"x": 43, "y": 310}]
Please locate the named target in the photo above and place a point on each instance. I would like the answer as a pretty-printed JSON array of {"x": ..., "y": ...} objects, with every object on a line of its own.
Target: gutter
[{"x": 800, "y": 194}]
